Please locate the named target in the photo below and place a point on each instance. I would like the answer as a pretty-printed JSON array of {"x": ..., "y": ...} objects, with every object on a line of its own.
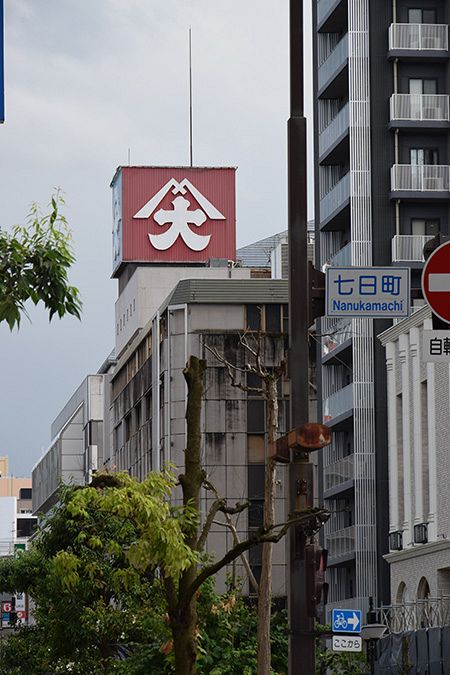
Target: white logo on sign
[{"x": 180, "y": 217}]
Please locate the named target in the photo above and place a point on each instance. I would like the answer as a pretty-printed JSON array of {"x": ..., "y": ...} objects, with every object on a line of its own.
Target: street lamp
[{"x": 371, "y": 633}]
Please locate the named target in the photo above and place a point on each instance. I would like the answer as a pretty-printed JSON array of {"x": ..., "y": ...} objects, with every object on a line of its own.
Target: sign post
[{"x": 2, "y": 68}]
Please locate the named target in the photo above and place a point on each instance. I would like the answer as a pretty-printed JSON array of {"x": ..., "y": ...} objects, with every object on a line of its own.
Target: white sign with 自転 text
[{"x": 436, "y": 346}]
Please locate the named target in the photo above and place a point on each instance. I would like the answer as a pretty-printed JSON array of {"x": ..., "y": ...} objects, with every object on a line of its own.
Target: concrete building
[
  {"x": 419, "y": 464},
  {"x": 148, "y": 396},
  {"x": 16, "y": 519},
  {"x": 80, "y": 438},
  {"x": 381, "y": 83}
]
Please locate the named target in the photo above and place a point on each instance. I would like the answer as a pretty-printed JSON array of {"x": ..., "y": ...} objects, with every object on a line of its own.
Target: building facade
[
  {"x": 419, "y": 464},
  {"x": 80, "y": 439},
  {"x": 148, "y": 399},
  {"x": 381, "y": 82}
]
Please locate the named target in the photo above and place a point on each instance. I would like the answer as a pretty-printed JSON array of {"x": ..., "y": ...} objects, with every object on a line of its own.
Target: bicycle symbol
[{"x": 340, "y": 621}]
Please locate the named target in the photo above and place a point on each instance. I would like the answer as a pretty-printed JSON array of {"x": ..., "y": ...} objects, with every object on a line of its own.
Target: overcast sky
[{"x": 84, "y": 82}]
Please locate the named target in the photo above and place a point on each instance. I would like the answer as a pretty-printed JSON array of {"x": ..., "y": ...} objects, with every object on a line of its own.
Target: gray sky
[{"x": 85, "y": 81}]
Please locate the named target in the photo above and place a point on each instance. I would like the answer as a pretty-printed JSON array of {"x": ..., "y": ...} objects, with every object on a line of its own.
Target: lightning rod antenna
[{"x": 190, "y": 96}]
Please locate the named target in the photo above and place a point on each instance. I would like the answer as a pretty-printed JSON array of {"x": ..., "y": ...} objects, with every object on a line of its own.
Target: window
[
  {"x": 421, "y": 156},
  {"x": 273, "y": 318},
  {"x": 25, "y": 526},
  {"x": 422, "y": 86},
  {"x": 25, "y": 493},
  {"x": 148, "y": 406},
  {"x": 255, "y": 416},
  {"x": 421, "y": 226},
  {"x": 254, "y": 317},
  {"x": 128, "y": 431},
  {"x": 421, "y": 16},
  {"x": 256, "y": 449}
]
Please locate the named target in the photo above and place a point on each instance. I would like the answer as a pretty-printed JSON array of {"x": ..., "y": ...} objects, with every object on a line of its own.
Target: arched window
[
  {"x": 401, "y": 593},
  {"x": 423, "y": 589}
]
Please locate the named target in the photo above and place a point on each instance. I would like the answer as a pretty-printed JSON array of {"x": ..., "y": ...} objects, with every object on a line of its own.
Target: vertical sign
[{"x": 2, "y": 69}]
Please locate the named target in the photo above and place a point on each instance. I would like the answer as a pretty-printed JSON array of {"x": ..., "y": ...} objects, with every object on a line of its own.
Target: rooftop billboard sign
[{"x": 173, "y": 215}]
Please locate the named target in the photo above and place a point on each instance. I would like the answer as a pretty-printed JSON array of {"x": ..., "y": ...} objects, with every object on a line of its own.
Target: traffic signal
[{"x": 316, "y": 587}]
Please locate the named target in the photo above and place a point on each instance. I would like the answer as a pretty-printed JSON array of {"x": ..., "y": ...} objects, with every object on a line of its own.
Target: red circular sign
[{"x": 436, "y": 282}]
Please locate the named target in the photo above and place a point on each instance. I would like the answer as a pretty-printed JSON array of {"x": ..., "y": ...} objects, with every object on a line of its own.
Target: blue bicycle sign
[{"x": 346, "y": 620}]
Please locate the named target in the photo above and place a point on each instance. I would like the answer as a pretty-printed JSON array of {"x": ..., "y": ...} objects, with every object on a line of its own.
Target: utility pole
[{"x": 301, "y": 639}]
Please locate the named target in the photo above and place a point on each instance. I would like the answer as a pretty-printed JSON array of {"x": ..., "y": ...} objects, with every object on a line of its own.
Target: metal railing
[
  {"x": 416, "y": 614},
  {"x": 424, "y": 178},
  {"x": 339, "y": 472},
  {"x": 334, "y": 333},
  {"x": 409, "y": 247},
  {"x": 338, "y": 403},
  {"x": 341, "y": 543},
  {"x": 338, "y": 194},
  {"x": 421, "y": 107},
  {"x": 334, "y": 61},
  {"x": 323, "y": 7},
  {"x": 342, "y": 258},
  {"x": 421, "y": 36},
  {"x": 338, "y": 126}
]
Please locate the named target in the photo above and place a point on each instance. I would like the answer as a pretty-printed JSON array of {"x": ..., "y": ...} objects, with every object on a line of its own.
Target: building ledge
[{"x": 417, "y": 550}]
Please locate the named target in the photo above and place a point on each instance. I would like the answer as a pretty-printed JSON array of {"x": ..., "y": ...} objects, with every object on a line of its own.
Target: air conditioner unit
[
  {"x": 396, "y": 541},
  {"x": 421, "y": 533}
]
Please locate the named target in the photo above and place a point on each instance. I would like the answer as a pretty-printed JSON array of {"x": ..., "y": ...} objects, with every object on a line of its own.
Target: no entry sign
[{"x": 436, "y": 282}]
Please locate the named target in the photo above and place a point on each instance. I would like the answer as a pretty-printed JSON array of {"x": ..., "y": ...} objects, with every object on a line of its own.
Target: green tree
[{"x": 34, "y": 262}]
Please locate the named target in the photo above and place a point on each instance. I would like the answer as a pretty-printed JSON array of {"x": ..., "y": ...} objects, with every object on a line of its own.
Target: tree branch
[{"x": 216, "y": 506}]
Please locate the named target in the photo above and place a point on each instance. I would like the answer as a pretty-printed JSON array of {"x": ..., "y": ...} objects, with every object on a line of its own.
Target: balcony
[
  {"x": 418, "y": 181},
  {"x": 342, "y": 258},
  {"x": 338, "y": 405},
  {"x": 333, "y": 202},
  {"x": 409, "y": 247},
  {"x": 418, "y": 40},
  {"x": 338, "y": 473},
  {"x": 341, "y": 544},
  {"x": 419, "y": 110},
  {"x": 332, "y": 67},
  {"x": 331, "y": 15},
  {"x": 334, "y": 134},
  {"x": 336, "y": 341}
]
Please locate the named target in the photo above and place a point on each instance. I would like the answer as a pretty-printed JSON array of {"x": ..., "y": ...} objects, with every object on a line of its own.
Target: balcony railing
[
  {"x": 416, "y": 614},
  {"x": 338, "y": 126},
  {"x": 418, "y": 36},
  {"x": 334, "y": 333},
  {"x": 335, "y": 197},
  {"x": 334, "y": 61},
  {"x": 420, "y": 107},
  {"x": 323, "y": 7},
  {"x": 342, "y": 258},
  {"x": 341, "y": 543},
  {"x": 338, "y": 403},
  {"x": 409, "y": 247},
  {"x": 424, "y": 178},
  {"x": 339, "y": 472}
]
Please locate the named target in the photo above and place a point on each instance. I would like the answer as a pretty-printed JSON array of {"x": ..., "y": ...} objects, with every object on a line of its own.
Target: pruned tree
[
  {"x": 34, "y": 264},
  {"x": 269, "y": 377}
]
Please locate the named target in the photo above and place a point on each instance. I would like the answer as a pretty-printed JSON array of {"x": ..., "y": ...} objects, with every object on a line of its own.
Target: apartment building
[
  {"x": 148, "y": 398},
  {"x": 381, "y": 83}
]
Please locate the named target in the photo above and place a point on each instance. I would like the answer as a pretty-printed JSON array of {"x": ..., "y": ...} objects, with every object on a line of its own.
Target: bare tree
[
  {"x": 182, "y": 597},
  {"x": 269, "y": 377}
]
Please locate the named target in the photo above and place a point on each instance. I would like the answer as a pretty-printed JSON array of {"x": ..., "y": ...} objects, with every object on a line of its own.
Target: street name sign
[
  {"x": 347, "y": 643},
  {"x": 371, "y": 292},
  {"x": 436, "y": 282},
  {"x": 346, "y": 621},
  {"x": 436, "y": 346}
]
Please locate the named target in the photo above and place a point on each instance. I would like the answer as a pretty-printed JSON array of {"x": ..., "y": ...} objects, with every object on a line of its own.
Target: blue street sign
[
  {"x": 2, "y": 69},
  {"x": 346, "y": 621},
  {"x": 372, "y": 292}
]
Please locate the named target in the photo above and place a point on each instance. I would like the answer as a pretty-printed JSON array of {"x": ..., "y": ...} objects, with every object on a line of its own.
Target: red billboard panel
[{"x": 173, "y": 215}]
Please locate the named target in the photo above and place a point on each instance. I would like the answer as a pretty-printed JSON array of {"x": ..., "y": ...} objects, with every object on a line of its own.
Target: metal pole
[
  {"x": 302, "y": 640},
  {"x": 190, "y": 99}
]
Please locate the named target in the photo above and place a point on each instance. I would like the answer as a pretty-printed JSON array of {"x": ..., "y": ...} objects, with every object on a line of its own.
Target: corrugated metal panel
[
  {"x": 258, "y": 253},
  {"x": 140, "y": 184},
  {"x": 229, "y": 291}
]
